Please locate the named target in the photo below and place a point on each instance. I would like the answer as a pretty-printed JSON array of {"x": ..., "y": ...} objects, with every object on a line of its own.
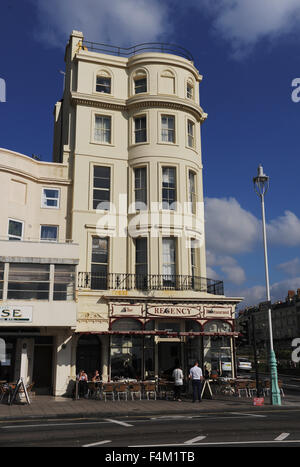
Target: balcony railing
[
  {"x": 160, "y": 47},
  {"x": 123, "y": 281}
]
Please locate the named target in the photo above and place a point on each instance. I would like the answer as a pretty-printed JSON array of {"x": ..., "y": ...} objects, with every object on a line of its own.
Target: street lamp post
[{"x": 261, "y": 185}]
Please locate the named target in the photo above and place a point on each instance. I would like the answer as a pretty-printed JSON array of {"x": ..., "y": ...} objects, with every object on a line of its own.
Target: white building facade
[{"x": 127, "y": 138}]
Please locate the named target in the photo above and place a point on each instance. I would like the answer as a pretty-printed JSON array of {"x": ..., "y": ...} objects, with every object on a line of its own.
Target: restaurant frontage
[{"x": 147, "y": 339}]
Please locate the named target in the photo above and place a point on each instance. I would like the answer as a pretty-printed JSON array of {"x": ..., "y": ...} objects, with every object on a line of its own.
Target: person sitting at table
[
  {"x": 82, "y": 383},
  {"x": 96, "y": 376}
]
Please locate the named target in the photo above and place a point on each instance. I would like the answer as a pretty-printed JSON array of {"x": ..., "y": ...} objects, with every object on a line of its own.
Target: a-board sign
[
  {"x": 20, "y": 385},
  {"x": 206, "y": 392}
]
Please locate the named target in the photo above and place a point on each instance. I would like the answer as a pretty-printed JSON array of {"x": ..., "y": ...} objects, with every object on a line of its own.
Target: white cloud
[
  {"x": 230, "y": 229},
  {"x": 245, "y": 22},
  {"x": 290, "y": 268},
  {"x": 285, "y": 230},
  {"x": 118, "y": 22},
  {"x": 228, "y": 265}
]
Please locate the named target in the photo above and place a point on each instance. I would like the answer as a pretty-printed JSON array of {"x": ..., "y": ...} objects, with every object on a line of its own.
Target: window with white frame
[
  {"x": 101, "y": 187},
  {"x": 169, "y": 261},
  {"x": 168, "y": 128},
  {"x": 102, "y": 129},
  {"x": 194, "y": 259},
  {"x": 64, "y": 282},
  {"x": 190, "y": 90},
  {"x": 192, "y": 191},
  {"x": 140, "y": 129},
  {"x": 15, "y": 229},
  {"x": 49, "y": 233},
  {"x": 140, "y": 187},
  {"x": 140, "y": 84},
  {"x": 28, "y": 281},
  {"x": 99, "y": 263},
  {"x": 191, "y": 133},
  {"x": 168, "y": 187},
  {"x": 103, "y": 84},
  {"x": 50, "y": 198},
  {"x": 141, "y": 262}
]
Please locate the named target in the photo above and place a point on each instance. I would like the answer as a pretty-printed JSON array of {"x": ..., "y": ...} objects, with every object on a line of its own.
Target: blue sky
[{"x": 248, "y": 53}]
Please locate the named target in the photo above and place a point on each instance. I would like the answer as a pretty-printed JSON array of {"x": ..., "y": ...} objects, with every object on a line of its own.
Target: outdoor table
[{"x": 77, "y": 384}]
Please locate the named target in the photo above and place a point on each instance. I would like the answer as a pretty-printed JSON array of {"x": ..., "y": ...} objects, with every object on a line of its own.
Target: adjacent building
[
  {"x": 285, "y": 326},
  {"x": 122, "y": 203}
]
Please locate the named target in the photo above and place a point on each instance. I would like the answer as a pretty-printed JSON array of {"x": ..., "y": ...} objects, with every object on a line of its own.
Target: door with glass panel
[{"x": 99, "y": 263}]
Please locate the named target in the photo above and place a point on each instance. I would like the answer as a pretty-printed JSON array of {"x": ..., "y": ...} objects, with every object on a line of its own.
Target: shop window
[
  {"x": 217, "y": 326},
  {"x": 192, "y": 326},
  {"x": 28, "y": 281},
  {"x": 88, "y": 355},
  {"x": 217, "y": 349},
  {"x": 64, "y": 282},
  {"x": 170, "y": 326},
  {"x": 8, "y": 346},
  {"x": 126, "y": 350}
]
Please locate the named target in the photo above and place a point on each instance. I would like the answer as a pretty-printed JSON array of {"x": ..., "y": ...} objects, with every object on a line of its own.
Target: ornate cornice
[{"x": 136, "y": 104}]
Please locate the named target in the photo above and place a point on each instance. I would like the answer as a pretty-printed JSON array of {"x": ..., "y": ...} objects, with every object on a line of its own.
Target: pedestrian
[
  {"x": 82, "y": 383},
  {"x": 197, "y": 378},
  {"x": 178, "y": 382}
]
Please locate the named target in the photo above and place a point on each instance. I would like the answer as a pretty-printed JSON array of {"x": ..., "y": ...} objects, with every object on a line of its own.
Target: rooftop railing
[
  {"x": 148, "y": 282},
  {"x": 160, "y": 47}
]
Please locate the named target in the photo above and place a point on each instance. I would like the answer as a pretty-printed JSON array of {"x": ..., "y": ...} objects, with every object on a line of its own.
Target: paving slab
[{"x": 49, "y": 407}]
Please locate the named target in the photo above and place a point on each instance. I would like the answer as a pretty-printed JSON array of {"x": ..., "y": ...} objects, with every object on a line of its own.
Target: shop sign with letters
[
  {"x": 16, "y": 313},
  {"x": 178, "y": 311},
  {"x": 125, "y": 309}
]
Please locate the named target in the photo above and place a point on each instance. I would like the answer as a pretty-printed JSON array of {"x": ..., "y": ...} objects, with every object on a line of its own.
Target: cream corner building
[{"x": 128, "y": 170}]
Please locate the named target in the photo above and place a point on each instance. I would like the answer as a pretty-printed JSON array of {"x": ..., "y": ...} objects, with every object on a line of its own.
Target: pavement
[{"x": 48, "y": 407}]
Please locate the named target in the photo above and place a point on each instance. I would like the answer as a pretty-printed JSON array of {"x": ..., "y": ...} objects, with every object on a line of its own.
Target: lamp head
[{"x": 261, "y": 182}]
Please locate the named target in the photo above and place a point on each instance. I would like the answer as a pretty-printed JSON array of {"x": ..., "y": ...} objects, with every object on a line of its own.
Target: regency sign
[
  {"x": 174, "y": 311},
  {"x": 166, "y": 310}
]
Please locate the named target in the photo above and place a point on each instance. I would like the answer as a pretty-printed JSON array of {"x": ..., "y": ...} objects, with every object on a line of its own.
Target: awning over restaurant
[{"x": 163, "y": 333}]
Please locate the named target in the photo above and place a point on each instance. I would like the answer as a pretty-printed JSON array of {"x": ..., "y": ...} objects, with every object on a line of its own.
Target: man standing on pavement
[{"x": 196, "y": 377}]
